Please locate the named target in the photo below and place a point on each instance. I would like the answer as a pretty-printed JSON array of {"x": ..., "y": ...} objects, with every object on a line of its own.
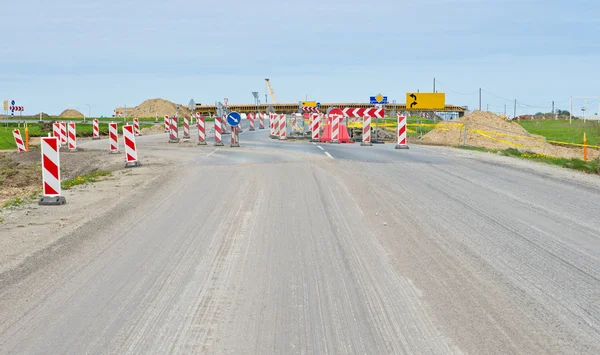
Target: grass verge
[
  {"x": 590, "y": 167},
  {"x": 85, "y": 179},
  {"x": 14, "y": 202},
  {"x": 562, "y": 131}
]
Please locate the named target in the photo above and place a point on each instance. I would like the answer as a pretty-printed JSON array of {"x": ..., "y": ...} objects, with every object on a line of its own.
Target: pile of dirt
[
  {"x": 69, "y": 113},
  {"x": 490, "y": 131},
  {"x": 151, "y": 107}
]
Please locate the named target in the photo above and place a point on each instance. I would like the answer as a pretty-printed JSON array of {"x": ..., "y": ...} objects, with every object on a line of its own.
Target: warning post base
[{"x": 52, "y": 200}]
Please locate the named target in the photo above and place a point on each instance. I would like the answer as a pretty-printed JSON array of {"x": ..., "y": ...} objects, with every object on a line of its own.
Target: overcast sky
[{"x": 67, "y": 53}]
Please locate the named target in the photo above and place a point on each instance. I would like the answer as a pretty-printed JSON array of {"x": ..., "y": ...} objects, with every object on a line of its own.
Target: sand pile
[
  {"x": 149, "y": 108},
  {"x": 157, "y": 128},
  {"x": 490, "y": 131},
  {"x": 69, "y": 113}
]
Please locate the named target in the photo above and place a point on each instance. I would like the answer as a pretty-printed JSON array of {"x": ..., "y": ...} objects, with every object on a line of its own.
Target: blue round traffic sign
[
  {"x": 234, "y": 118},
  {"x": 12, "y": 102},
  {"x": 318, "y": 104}
]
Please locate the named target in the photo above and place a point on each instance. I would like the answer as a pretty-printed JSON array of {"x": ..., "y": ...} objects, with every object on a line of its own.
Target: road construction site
[{"x": 290, "y": 246}]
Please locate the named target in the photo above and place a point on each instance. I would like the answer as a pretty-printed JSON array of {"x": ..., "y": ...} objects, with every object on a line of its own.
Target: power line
[{"x": 455, "y": 92}]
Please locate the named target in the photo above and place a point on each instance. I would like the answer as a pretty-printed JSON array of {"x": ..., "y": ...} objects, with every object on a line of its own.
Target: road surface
[{"x": 301, "y": 248}]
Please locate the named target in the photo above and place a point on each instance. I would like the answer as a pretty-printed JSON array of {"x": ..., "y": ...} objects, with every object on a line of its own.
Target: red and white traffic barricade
[
  {"x": 113, "y": 138},
  {"x": 335, "y": 128},
  {"x": 96, "y": 130},
  {"x": 200, "y": 124},
  {"x": 261, "y": 120},
  {"x": 251, "y": 117},
  {"x": 136, "y": 127},
  {"x": 186, "y": 127},
  {"x": 51, "y": 190},
  {"x": 131, "y": 158},
  {"x": 167, "y": 124},
  {"x": 218, "y": 130},
  {"x": 72, "y": 139},
  {"x": 63, "y": 133},
  {"x": 402, "y": 144},
  {"x": 315, "y": 126},
  {"x": 224, "y": 124},
  {"x": 235, "y": 136},
  {"x": 272, "y": 125},
  {"x": 19, "y": 141},
  {"x": 282, "y": 127},
  {"x": 174, "y": 130},
  {"x": 56, "y": 132},
  {"x": 366, "y": 133}
]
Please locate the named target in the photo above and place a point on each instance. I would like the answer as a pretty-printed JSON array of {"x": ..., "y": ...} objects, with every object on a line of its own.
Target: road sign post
[{"x": 234, "y": 119}]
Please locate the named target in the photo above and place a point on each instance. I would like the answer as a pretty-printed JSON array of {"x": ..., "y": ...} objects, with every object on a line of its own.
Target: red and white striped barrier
[
  {"x": 72, "y": 139},
  {"x": 174, "y": 130},
  {"x": 56, "y": 132},
  {"x": 19, "y": 141},
  {"x": 15, "y": 108},
  {"x": 167, "y": 124},
  {"x": 335, "y": 128},
  {"x": 113, "y": 138},
  {"x": 131, "y": 158},
  {"x": 51, "y": 190},
  {"x": 251, "y": 117},
  {"x": 96, "y": 130},
  {"x": 136, "y": 127},
  {"x": 235, "y": 136},
  {"x": 401, "y": 133},
  {"x": 261, "y": 120},
  {"x": 63, "y": 133},
  {"x": 282, "y": 127},
  {"x": 218, "y": 130},
  {"x": 224, "y": 124},
  {"x": 186, "y": 127},
  {"x": 366, "y": 133},
  {"x": 315, "y": 126},
  {"x": 272, "y": 125},
  {"x": 200, "y": 124}
]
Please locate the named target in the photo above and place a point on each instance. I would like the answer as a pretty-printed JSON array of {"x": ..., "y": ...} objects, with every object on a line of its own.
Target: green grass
[
  {"x": 14, "y": 202},
  {"x": 562, "y": 131},
  {"x": 590, "y": 167},
  {"x": 85, "y": 179}
]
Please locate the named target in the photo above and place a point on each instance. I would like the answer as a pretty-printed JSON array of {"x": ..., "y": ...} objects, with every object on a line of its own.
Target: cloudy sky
[{"x": 68, "y": 54}]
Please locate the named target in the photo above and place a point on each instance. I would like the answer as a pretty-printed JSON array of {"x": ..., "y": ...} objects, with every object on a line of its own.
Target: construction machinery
[{"x": 271, "y": 92}]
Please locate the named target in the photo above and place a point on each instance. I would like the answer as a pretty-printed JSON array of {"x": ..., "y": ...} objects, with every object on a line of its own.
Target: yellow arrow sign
[
  {"x": 425, "y": 101},
  {"x": 309, "y": 103}
]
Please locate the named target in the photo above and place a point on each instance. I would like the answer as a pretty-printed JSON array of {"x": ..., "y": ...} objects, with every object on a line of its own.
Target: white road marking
[
  {"x": 329, "y": 155},
  {"x": 211, "y": 153},
  {"x": 320, "y": 147}
]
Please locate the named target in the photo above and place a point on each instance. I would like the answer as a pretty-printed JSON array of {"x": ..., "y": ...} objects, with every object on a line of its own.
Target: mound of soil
[
  {"x": 151, "y": 107},
  {"x": 69, "y": 113}
]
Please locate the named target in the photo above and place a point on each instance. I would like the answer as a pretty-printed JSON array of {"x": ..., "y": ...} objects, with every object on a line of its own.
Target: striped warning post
[
  {"x": 186, "y": 127},
  {"x": 200, "y": 124},
  {"x": 335, "y": 128},
  {"x": 401, "y": 133},
  {"x": 96, "y": 130},
  {"x": 113, "y": 138},
  {"x": 174, "y": 130},
  {"x": 218, "y": 130},
  {"x": 272, "y": 125},
  {"x": 224, "y": 124},
  {"x": 261, "y": 120},
  {"x": 315, "y": 126},
  {"x": 251, "y": 117},
  {"x": 167, "y": 124},
  {"x": 136, "y": 127},
  {"x": 282, "y": 127},
  {"x": 366, "y": 133},
  {"x": 51, "y": 190},
  {"x": 131, "y": 158},
  {"x": 235, "y": 136},
  {"x": 56, "y": 132},
  {"x": 19, "y": 141},
  {"x": 72, "y": 141},
  {"x": 63, "y": 133}
]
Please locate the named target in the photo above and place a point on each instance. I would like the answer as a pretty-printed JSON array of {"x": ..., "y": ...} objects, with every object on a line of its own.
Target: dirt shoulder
[{"x": 29, "y": 233}]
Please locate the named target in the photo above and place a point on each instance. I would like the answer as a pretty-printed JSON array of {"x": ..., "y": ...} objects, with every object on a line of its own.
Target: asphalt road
[{"x": 301, "y": 248}]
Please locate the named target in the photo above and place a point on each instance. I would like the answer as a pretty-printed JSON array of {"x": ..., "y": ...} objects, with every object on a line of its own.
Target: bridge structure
[{"x": 293, "y": 107}]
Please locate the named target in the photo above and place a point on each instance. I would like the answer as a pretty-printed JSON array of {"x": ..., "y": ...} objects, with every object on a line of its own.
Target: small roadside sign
[
  {"x": 378, "y": 100},
  {"x": 234, "y": 118},
  {"x": 309, "y": 104},
  {"x": 192, "y": 105},
  {"x": 425, "y": 100},
  {"x": 5, "y": 105}
]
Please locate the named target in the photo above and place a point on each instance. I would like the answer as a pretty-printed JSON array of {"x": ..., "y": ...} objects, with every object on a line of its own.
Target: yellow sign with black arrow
[{"x": 425, "y": 101}]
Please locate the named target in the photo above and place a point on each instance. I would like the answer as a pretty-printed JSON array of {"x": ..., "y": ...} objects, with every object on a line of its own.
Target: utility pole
[
  {"x": 479, "y": 99},
  {"x": 504, "y": 110},
  {"x": 553, "y": 107},
  {"x": 433, "y": 84},
  {"x": 570, "y": 109},
  {"x": 515, "y": 111}
]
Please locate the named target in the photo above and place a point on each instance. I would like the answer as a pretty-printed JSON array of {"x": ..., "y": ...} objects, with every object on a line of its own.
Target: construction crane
[{"x": 271, "y": 92}]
